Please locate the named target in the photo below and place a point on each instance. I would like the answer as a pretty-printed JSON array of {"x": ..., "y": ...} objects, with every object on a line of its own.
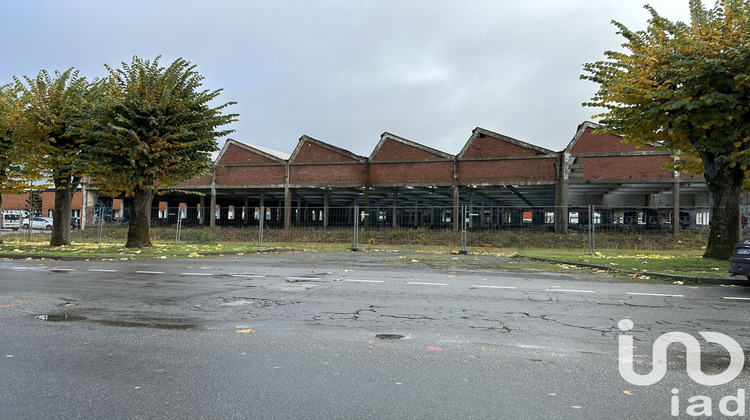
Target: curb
[{"x": 688, "y": 279}]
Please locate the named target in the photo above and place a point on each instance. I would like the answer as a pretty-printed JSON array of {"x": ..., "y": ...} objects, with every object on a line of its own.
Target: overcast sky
[{"x": 346, "y": 71}]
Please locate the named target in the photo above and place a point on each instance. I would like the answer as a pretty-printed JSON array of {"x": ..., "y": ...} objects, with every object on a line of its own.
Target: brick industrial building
[{"x": 493, "y": 174}]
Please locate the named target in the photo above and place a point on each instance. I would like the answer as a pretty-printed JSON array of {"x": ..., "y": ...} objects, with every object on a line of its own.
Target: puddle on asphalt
[
  {"x": 155, "y": 323},
  {"x": 60, "y": 318},
  {"x": 389, "y": 336}
]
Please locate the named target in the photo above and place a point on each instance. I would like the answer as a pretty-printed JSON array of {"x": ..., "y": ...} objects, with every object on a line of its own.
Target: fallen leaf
[
  {"x": 626, "y": 392},
  {"x": 576, "y": 406},
  {"x": 245, "y": 331}
]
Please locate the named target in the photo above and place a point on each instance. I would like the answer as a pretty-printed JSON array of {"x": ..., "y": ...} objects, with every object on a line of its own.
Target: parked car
[
  {"x": 11, "y": 221},
  {"x": 739, "y": 263},
  {"x": 38, "y": 223}
]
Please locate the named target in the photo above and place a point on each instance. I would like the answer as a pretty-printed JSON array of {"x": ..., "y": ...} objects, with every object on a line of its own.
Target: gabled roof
[
  {"x": 579, "y": 132},
  {"x": 265, "y": 152},
  {"x": 428, "y": 153},
  {"x": 479, "y": 133},
  {"x": 332, "y": 151},
  {"x": 601, "y": 145}
]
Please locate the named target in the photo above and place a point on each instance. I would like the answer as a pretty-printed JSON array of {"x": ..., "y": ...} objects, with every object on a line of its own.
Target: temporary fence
[{"x": 587, "y": 227}]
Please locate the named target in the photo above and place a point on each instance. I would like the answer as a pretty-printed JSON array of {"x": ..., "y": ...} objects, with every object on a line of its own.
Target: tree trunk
[
  {"x": 62, "y": 213},
  {"x": 139, "y": 231},
  {"x": 724, "y": 185}
]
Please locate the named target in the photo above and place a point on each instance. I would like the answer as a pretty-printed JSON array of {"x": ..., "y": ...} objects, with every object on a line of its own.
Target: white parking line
[
  {"x": 483, "y": 286},
  {"x": 364, "y": 281},
  {"x": 197, "y": 274},
  {"x": 426, "y": 283},
  {"x": 735, "y": 298},
  {"x": 248, "y": 276},
  {"x": 653, "y": 294},
  {"x": 569, "y": 290},
  {"x": 149, "y": 272}
]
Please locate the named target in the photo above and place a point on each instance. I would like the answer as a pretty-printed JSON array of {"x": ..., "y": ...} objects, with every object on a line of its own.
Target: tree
[
  {"x": 17, "y": 172},
  {"x": 686, "y": 88},
  {"x": 155, "y": 127},
  {"x": 48, "y": 131}
]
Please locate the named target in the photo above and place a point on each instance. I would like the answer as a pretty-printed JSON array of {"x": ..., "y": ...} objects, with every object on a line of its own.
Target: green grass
[
  {"x": 115, "y": 251},
  {"x": 681, "y": 262},
  {"x": 676, "y": 262}
]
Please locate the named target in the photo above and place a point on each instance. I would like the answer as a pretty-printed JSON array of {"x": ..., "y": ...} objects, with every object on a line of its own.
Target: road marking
[
  {"x": 248, "y": 276},
  {"x": 735, "y": 298},
  {"x": 102, "y": 270},
  {"x": 196, "y": 274},
  {"x": 365, "y": 281},
  {"x": 493, "y": 287},
  {"x": 653, "y": 294},
  {"x": 426, "y": 283},
  {"x": 149, "y": 272},
  {"x": 569, "y": 290}
]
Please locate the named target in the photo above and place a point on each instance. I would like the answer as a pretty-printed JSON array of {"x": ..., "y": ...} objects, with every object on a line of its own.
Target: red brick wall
[
  {"x": 314, "y": 153},
  {"x": 202, "y": 180},
  {"x": 427, "y": 172},
  {"x": 237, "y": 155},
  {"x": 489, "y": 147},
  {"x": 18, "y": 201},
  {"x": 507, "y": 170},
  {"x": 327, "y": 174},
  {"x": 395, "y": 150},
  {"x": 14, "y": 201},
  {"x": 601, "y": 143},
  {"x": 250, "y": 175},
  {"x": 624, "y": 167}
]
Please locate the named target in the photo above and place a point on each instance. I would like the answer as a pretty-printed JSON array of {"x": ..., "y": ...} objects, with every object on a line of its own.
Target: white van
[{"x": 11, "y": 219}]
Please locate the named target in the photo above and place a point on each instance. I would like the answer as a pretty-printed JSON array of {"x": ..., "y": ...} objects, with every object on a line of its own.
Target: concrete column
[
  {"x": 298, "y": 216},
  {"x": 394, "y": 207},
  {"x": 246, "y": 212},
  {"x": 212, "y": 210},
  {"x": 287, "y": 200},
  {"x": 456, "y": 196},
  {"x": 202, "y": 218},
  {"x": 262, "y": 209},
  {"x": 470, "y": 210},
  {"x": 456, "y": 209},
  {"x": 287, "y": 207},
  {"x": 367, "y": 194},
  {"x": 561, "y": 194}
]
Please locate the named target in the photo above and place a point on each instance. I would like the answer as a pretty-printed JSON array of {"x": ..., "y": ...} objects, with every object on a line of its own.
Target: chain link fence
[{"x": 589, "y": 227}]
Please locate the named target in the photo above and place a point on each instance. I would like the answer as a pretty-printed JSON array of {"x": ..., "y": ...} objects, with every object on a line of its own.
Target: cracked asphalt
[{"x": 344, "y": 335}]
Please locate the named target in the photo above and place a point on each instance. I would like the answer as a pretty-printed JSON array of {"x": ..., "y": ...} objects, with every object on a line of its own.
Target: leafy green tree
[
  {"x": 155, "y": 127},
  {"x": 48, "y": 132},
  {"x": 686, "y": 88},
  {"x": 17, "y": 171}
]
